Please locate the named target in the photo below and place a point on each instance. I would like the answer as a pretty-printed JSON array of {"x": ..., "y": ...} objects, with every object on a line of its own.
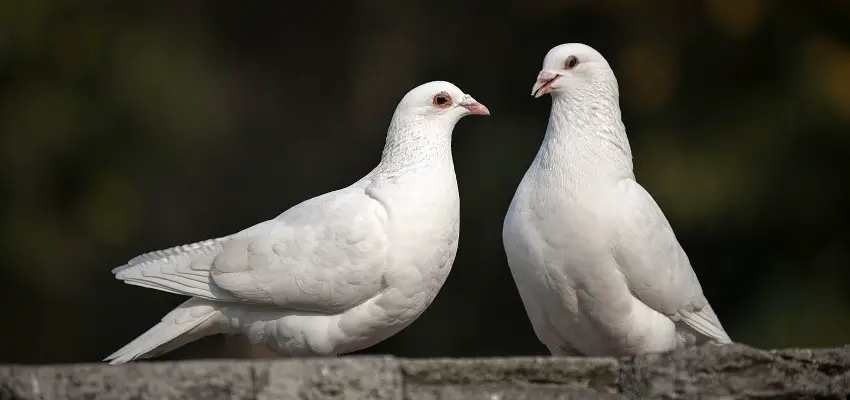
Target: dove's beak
[
  {"x": 473, "y": 106},
  {"x": 544, "y": 82}
]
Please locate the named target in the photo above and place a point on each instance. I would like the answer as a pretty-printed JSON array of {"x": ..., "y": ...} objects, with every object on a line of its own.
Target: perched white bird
[
  {"x": 595, "y": 261},
  {"x": 336, "y": 273}
]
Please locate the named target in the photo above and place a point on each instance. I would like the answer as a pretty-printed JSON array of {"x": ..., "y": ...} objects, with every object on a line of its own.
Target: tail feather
[
  {"x": 706, "y": 323},
  {"x": 190, "y": 321}
]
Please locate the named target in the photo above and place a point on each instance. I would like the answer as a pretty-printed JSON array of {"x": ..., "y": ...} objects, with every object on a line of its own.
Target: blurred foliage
[{"x": 127, "y": 127}]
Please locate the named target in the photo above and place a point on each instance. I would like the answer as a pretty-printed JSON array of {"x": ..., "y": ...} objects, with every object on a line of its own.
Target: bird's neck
[
  {"x": 414, "y": 147},
  {"x": 586, "y": 139}
]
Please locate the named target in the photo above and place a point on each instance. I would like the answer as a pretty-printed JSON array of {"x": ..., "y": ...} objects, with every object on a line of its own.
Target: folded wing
[
  {"x": 656, "y": 267},
  {"x": 326, "y": 255}
]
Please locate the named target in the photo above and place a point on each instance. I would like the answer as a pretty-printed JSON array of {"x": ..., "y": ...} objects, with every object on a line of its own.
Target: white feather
[
  {"x": 596, "y": 262},
  {"x": 336, "y": 273}
]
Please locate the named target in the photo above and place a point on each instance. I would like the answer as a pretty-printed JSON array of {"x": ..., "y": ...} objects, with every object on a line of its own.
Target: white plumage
[
  {"x": 336, "y": 273},
  {"x": 596, "y": 263}
]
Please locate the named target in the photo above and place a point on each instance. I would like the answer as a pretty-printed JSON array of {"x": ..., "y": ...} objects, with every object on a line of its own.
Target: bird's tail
[
  {"x": 190, "y": 321},
  {"x": 706, "y": 325}
]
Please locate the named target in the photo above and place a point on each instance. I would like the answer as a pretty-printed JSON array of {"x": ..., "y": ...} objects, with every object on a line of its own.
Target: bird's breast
[{"x": 423, "y": 223}]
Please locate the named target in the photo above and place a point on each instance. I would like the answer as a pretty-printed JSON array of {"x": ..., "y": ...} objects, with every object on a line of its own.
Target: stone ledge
[{"x": 728, "y": 372}]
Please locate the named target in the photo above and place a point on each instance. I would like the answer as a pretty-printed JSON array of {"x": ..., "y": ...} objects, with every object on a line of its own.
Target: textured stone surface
[
  {"x": 710, "y": 372},
  {"x": 509, "y": 378},
  {"x": 197, "y": 379},
  {"x": 330, "y": 378},
  {"x": 738, "y": 372},
  {"x": 504, "y": 392}
]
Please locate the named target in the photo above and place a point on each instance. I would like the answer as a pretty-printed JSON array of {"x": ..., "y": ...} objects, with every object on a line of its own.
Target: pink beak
[
  {"x": 473, "y": 106},
  {"x": 544, "y": 82}
]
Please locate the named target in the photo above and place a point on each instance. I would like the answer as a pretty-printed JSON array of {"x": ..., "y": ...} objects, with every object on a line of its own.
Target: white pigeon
[
  {"x": 595, "y": 261},
  {"x": 336, "y": 273}
]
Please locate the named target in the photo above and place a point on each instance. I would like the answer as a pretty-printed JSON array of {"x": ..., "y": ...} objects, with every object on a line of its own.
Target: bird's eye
[
  {"x": 571, "y": 63},
  {"x": 442, "y": 100}
]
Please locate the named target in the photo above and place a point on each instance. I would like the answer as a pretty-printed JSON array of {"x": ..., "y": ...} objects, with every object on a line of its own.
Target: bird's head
[
  {"x": 571, "y": 67},
  {"x": 440, "y": 101}
]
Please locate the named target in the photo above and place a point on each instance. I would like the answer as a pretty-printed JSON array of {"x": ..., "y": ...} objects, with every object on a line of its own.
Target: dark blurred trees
[{"x": 131, "y": 127}]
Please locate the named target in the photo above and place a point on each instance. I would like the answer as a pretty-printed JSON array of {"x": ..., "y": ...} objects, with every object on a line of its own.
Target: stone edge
[{"x": 635, "y": 376}]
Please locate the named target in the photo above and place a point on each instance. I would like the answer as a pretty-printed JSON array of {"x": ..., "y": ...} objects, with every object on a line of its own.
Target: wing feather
[
  {"x": 326, "y": 254},
  {"x": 656, "y": 267}
]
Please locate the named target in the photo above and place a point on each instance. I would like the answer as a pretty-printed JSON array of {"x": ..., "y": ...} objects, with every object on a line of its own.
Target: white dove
[
  {"x": 336, "y": 273},
  {"x": 595, "y": 261}
]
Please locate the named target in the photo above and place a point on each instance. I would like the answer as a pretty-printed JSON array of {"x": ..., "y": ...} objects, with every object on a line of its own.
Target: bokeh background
[{"x": 133, "y": 126}]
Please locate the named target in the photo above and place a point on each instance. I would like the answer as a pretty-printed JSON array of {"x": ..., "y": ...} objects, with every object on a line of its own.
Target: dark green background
[{"x": 132, "y": 126}]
